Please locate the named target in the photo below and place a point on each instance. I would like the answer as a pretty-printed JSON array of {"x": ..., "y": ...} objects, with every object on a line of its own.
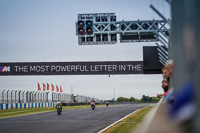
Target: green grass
[
  {"x": 130, "y": 123},
  {"x": 27, "y": 111}
]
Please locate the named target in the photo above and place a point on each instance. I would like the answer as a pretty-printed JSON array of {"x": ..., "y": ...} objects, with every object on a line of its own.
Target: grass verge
[
  {"x": 130, "y": 123},
  {"x": 27, "y": 111}
]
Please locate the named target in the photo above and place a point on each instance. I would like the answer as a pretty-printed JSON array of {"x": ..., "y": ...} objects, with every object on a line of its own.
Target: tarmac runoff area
[{"x": 84, "y": 120}]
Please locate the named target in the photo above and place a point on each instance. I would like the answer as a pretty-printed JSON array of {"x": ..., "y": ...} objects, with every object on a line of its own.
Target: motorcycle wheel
[
  {"x": 59, "y": 112},
  {"x": 93, "y": 107}
]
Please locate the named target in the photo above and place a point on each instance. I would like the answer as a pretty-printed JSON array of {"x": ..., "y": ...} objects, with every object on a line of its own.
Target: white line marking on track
[{"x": 116, "y": 122}]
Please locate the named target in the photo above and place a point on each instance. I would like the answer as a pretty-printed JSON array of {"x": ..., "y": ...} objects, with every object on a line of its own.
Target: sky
[{"x": 44, "y": 31}]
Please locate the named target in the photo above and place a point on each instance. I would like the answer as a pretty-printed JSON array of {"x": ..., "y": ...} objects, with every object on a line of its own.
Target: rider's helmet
[{"x": 58, "y": 102}]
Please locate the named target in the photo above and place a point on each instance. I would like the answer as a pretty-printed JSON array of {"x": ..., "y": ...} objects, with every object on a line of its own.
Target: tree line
[{"x": 143, "y": 99}]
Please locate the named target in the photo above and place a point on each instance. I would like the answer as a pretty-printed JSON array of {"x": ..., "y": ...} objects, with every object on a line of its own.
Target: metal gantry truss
[
  {"x": 129, "y": 31},
  {"x": 106, "y": 27},
  {"x": 129, "y": 27}
]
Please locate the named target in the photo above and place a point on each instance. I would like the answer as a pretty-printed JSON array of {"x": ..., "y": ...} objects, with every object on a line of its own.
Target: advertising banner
[{"x": 71, "y": 68}]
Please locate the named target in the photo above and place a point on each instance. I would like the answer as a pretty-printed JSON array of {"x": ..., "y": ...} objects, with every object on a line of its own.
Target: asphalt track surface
[{"x": 83, "y": 120}]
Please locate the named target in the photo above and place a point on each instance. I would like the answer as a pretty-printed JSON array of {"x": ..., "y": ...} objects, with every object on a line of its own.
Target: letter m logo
[{"x": 4, "y": 68}]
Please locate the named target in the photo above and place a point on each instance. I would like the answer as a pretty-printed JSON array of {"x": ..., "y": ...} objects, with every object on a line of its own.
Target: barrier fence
[
  {"x": 10, "y": 99},
  {"x": 25, "y": 105}
]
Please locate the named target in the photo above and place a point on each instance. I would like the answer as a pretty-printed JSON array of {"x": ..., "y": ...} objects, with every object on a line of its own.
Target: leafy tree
[
  {"x": 132, "y": 99},
  {"x": 122, "y": 99},
  {"x": 143, "y": 99},
  {"x": 155, "y": 99},
  {"x": 137, "y": 100}
]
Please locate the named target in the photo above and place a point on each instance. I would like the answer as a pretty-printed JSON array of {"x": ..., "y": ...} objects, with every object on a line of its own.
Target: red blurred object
[
  {"x": 89, "y": 31},
  {"x": 39, "y": 89},
  {"x": 81, "y": 31},
  {"x": 47, "y": 86},
  {"x": 57, "y": 88},
  {"x": 52, "y": 87},
  {"x": 61, "y": 89}
]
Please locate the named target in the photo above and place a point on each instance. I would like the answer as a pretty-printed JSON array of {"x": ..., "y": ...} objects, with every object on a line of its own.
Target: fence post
[
  {"x": 32, "y": 96},
  {"x": 35, "y": 97},
  {"x": 19, "y": 97},
  {"x": 43, "y": 96},
  {"x": 47, "y": 96},
  {"x": 7, "y": 95},
  {"x": 58, "y": 97},
  {"x": 52, "y": 96},
  {"x": 15, "y": 96},
  {"x": 38, "y": 97},
  {"x": 11, "y": 95},
  {"x": 23, "y": 97},
  {"x": 27, "y": 96}
]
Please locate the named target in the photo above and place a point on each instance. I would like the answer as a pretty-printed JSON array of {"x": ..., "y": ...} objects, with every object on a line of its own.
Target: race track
[{"x": 83, "y": 120}]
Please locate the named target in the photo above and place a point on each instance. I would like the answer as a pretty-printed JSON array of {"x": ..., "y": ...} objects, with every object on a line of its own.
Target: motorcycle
[
  {"x": 107, "y": 104},
  {"x": 59, "y": 109},
  {"x": 93, "y": 105}
]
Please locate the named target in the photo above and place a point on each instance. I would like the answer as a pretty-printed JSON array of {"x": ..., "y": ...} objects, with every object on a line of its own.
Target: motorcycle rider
[
  {"x": 59, "y": 104},
  {"x": 107, "y": 104},
  {"x": 92, "y": 102}
]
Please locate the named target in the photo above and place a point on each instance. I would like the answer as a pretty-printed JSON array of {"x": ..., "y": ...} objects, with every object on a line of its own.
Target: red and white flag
[
  {"x": 39, "y": 89},
  {"x": 44, "y": 87},
  {"x": 57, "y": 88},
  {"x": 61, "y": 89},
  {"x": 52, "y": 87},
  {"x": 47, "y": 86}
]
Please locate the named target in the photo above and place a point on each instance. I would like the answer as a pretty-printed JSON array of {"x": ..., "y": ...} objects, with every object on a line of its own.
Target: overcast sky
[{"x": 44, "y": 31}]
